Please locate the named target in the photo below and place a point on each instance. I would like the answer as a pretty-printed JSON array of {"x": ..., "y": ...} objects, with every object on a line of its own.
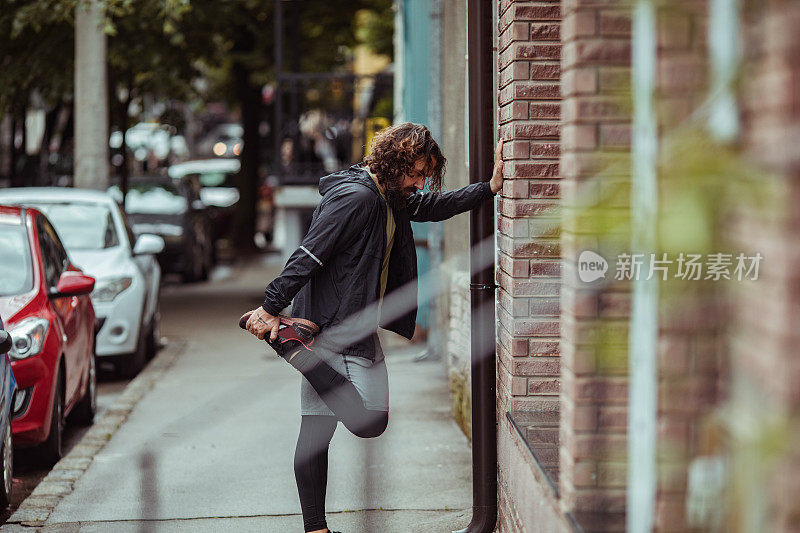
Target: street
[{"x": 209, "y": 447}]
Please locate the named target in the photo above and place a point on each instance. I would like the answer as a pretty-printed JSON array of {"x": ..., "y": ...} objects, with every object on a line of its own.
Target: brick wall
[
  {"x": 765, "y": 364},
  {"x": 595, "y": 171},
  {"x": 529, "y": 265}
]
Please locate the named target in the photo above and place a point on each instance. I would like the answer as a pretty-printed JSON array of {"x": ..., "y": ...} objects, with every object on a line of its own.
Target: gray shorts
[{"x": 369, "y": 378}]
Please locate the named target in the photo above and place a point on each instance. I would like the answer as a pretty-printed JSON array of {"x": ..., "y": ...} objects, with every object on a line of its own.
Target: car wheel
[
  {"x": 7, "y": 454},
  {"x": 87, "y": 408},
  {"x": 52, "y": 448},
  {"x": 208, "y": 262},
  {"x": 193, "y": 269},
  {"x": 130, "y": 365},
  {"x": 154, "y": 334}
]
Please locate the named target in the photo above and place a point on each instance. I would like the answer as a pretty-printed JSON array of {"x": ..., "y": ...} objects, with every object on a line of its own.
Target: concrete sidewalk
[{"x": 208, "y": 443}]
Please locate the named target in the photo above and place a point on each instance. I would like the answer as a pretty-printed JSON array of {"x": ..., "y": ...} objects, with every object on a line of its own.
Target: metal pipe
[
  {"x": 277, "y": 134},
  {"x": 481, "y": 141}
]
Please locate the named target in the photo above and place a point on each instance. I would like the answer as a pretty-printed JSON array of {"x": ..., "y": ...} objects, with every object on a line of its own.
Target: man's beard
[{"x": 397, "y": 197}]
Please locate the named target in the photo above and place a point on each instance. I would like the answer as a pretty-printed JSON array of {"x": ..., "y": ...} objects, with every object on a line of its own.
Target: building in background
[{"x": 667, "y": 400}]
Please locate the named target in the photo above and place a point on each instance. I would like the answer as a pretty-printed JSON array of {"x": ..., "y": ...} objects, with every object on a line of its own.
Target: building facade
[{"x": 648, "y": 134}]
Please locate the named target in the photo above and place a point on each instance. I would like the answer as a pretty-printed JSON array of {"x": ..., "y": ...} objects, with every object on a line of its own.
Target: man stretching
[{"x": 359, "y": 248}]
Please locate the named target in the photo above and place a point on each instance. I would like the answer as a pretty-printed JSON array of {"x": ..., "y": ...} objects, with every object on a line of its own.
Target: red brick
[
  {"x": 602, "y": 389},
  {"x": 544, "y": 190},
  {"x": 544, "y": 307},
  {"x": 518, "y": 208},
  {"x": 545, "y": 150},
  {"x": 579, "y": 137},
  {"x": 519, "y": 386},
  {"x": 537, "y": 91},
  {"x": 545, "y": 32},
  {"x": 517, "y": 150},
  {"x": 600, "y": 446},
  {"x": 521, "y": 70},
  {"x": 615, "y": 23},
  {"x": 544, "y": 386},
  {"x": 545, "y": 111},
  {"x": 602, "y": 108},
  {"x": 535, "y": 328},
  {"x": 585, "y": 474},
  {"x": 579, "y": 24},
  {"x": 538, "y": 348},
  {"x": 517, "y": 268},
  {"x": 536, "y": 130},
  {"x": 538, "y": 366},
  {"x": 537, "y": 51},
  {"x": 579, "y": 81},
  {"x": 537, "y": 12},
  {"x": 519, "y": 347},
  {"x": 611, "y": 418},
  {"x": 615, "y": 135},
  {"x": 520, "y": 31},
  {"x": 519, "y": 288},
  {"x": 535, "y": 170},
  {"x": 582, "y": 417},
  {"x": 515, "y": 188},
  {"x": 604, "y": 51},
  {"x": 545, "y": 71},
  {"x": 681, "y": 74}
]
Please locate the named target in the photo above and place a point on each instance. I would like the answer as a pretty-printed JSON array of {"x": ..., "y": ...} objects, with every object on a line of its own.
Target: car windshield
[
  {"x": 82, "y": 226},
  {"x": 152, "y": 198},
  {"x": 16, "y": 274}
]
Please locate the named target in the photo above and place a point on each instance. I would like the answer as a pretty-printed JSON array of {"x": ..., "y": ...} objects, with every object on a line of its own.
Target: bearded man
[{"x": 359, "y": 248}]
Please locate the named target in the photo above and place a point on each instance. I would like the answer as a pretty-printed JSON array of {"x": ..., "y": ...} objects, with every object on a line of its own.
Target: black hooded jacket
[{"x": 335, "y": 273}]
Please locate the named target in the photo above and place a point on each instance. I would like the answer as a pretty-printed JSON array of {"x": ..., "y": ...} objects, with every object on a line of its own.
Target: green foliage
[{"x": 376, "y": 27}]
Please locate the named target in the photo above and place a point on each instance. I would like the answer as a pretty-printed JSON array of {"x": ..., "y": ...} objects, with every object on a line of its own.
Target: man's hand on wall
[
  {"x": 262, "y": 323},
  {"x": 496, "y": 183}
]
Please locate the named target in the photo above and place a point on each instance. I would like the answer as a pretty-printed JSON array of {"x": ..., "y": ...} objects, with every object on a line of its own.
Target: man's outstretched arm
[{"x": 434, "y": 207}]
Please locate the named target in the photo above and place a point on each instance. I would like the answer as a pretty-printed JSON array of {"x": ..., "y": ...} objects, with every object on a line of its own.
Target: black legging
[{"x": 316, "y": 431}]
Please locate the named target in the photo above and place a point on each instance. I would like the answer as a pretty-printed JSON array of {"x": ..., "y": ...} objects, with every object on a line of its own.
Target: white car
[
  {"x": 216, "y": 177},
  {"x": 99, "y": 240}
]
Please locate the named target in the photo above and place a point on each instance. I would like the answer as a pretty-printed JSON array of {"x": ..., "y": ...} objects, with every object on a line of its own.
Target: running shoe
[{"x": 293, "y": 333}]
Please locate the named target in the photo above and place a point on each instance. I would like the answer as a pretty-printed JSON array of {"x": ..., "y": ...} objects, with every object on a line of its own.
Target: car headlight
[
  {"x": 28, "y": 338},
  {"x": 105, "y": 290}
]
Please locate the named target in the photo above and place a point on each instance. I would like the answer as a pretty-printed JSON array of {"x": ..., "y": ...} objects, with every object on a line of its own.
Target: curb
[{"x": 59, "y": 482}]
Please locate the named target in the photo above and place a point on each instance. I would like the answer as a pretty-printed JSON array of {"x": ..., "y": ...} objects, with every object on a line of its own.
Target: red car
[{"x": 45, "y": 305}]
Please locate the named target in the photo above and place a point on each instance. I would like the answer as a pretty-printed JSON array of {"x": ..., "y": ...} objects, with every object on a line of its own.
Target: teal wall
[{"x": 414, "y": 36}]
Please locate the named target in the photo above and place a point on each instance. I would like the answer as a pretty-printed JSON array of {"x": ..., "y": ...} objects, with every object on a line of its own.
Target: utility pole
[{"x": 91, "y": 98}]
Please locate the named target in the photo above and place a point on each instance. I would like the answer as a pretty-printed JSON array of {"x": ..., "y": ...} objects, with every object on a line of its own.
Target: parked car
[
  {"x": 50, "y": 318},
  {"x": 8, "y": 386},
  {"x": 224, "y": 140},
  {"x": 173, "y": 211},
  {"x": 218, "y": 190},
  {"x": 99, "y": 240}
]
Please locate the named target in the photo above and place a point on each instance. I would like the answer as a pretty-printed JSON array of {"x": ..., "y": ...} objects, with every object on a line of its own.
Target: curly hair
[{"x": 395, "y": 150}]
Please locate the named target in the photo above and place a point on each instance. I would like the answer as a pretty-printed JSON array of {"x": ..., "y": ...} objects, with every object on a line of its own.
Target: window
[
  {"x": 16, "y": 272},
  {"x": 54, "y": 258},
  {"x": 83, "y": 226}
]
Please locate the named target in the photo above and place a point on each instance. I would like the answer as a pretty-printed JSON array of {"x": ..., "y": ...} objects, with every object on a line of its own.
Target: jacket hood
[{"x": 354, "y": 174}]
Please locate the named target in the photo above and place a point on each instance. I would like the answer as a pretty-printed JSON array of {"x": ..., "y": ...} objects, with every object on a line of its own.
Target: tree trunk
[
  {"x": 91, "y": 94},
  {"x": 250, "y": 101}
]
